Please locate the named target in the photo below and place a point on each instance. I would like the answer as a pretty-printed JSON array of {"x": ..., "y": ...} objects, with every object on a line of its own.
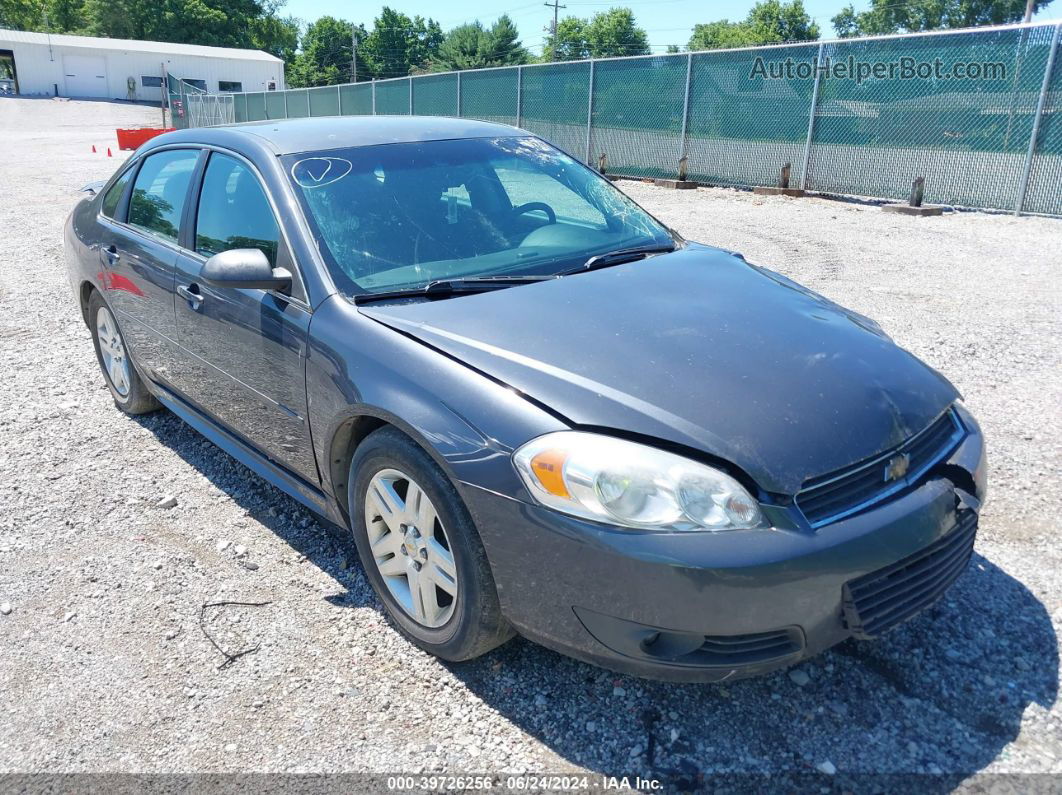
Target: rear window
[
  {"x": 160, "y": 191},
  {"x": 114, "y": 196}
]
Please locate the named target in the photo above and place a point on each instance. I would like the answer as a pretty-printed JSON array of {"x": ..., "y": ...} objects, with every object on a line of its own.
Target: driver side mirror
[{"x": 246, "y": 268}]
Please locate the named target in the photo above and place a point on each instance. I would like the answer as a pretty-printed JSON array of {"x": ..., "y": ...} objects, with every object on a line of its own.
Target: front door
[{"x": 243, "y": 351}]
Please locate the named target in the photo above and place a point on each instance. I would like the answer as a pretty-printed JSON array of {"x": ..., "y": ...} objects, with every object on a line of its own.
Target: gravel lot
[{"x": 104, "y": 667}]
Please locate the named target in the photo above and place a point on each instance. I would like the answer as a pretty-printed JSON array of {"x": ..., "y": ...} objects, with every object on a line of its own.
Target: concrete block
[
  {"x": 678, "y": 184},
  {"x": 794, "y": 192},
  {"x": 906, "y": 209}
]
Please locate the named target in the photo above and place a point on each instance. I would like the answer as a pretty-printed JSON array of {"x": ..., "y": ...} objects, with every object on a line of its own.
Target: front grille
[
  {"x": 734, "y": 650},
  {"x": 877, "y": 602},
  {"x": 831, "y": 497}
]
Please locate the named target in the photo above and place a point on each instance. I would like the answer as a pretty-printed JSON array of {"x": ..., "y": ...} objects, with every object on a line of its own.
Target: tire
[
  {"x": 472, "y": 624},
  {"x": 130, "y": 393}
]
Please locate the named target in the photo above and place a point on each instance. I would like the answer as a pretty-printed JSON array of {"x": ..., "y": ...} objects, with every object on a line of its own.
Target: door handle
[
  {"x": 110, "y": 255},
  {"x": 191, "y": 294}
]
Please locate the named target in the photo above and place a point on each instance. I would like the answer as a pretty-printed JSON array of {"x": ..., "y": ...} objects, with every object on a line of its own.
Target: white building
[{"x": 50, "y": 64}]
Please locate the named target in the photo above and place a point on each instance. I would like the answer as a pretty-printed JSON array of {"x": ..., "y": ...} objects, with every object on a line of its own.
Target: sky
[{"x": 666, "y": 21}]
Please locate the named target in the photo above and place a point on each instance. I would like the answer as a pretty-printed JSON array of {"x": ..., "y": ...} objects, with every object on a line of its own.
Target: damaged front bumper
[{"x": 711, "y": 607}]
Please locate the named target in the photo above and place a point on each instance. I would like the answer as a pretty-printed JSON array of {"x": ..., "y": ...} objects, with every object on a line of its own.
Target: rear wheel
[
  {"x": 421, "y": 551},
  {"x": 127, "y": 388}
]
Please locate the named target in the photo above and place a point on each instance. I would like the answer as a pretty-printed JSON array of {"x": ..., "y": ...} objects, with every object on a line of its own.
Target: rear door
[
  {"x": 243, "y": 351},
  {"x": 138, "y": 253}
]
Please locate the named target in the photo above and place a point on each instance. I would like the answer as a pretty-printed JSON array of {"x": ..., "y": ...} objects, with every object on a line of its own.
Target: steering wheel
[{"x": 526, "y": 208}]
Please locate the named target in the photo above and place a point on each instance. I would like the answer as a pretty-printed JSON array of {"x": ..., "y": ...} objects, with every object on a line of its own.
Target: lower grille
[
  {"x": 877, "y": 602},
  {"x": 735, "y": 650}
]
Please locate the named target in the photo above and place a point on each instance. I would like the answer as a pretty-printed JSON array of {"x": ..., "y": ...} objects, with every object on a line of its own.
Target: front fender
[{"x": 360, "y": 373}]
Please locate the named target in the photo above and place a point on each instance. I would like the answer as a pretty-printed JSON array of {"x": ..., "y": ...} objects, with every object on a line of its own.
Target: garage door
[{"x": 86, "y": 75}]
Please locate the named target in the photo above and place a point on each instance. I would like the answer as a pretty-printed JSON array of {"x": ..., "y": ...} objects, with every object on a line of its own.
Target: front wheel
[{"x": 421, "y": 551}]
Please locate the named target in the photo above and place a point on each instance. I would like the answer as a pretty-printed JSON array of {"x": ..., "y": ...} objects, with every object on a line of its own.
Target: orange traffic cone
[
  {"x": 109, "y": 152},
  {"x": 94, "y": 149}
]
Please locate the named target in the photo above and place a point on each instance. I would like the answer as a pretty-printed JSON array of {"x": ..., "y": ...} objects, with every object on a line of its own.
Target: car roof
[{"x": 290, "y": 136}]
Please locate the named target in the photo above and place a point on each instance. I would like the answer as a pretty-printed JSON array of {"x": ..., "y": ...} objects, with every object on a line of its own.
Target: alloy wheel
[
  {"x": 112, "y": 351},
  {"x": 410, "y": 548}
]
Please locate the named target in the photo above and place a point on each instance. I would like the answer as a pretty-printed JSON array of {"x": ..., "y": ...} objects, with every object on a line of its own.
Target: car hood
[{"x": 697, "y": 348}]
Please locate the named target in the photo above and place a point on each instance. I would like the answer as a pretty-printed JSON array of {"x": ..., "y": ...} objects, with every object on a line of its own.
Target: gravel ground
[{"x": 104, "y": 666}]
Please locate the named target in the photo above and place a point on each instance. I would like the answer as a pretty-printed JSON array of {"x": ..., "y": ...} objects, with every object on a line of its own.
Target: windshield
[{"x": 399, "y": 216}]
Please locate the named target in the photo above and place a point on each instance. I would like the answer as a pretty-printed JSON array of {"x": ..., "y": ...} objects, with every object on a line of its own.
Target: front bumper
[{"x": 710, "y": 607}]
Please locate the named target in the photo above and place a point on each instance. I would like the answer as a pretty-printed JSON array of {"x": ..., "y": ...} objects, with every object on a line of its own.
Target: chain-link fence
[{"x": 977, "y": 113}]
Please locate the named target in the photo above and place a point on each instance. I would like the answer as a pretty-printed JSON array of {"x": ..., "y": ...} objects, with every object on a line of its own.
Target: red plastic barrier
[{"x": 131, "y": 139}]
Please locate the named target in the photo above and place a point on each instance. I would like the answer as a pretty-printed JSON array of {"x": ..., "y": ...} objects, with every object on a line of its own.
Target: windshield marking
[{"x": 316, "y": 172}]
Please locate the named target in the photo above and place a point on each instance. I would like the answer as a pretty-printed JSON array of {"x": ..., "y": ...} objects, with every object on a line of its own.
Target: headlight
[{"x": 632, "y": 485}]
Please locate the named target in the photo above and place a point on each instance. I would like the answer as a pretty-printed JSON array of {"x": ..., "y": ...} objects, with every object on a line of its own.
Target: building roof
[
  {"x": 291, "y": 136},
  {"x": 161, "y": 47}
]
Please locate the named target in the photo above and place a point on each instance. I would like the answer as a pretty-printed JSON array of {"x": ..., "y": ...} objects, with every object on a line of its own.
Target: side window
[
  {"x": 160, "y": 190},
  {"x": 114, "y": 195},
  {"x": 234, "y": 211}
]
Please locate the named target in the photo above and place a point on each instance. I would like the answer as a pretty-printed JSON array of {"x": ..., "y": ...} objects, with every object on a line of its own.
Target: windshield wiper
[
  {"x": 443, "y": 288},
  {"x": 620, "y": 256}
]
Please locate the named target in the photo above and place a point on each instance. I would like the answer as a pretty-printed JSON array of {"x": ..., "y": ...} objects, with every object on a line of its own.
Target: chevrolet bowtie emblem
[{"x": 897, "y": 466}]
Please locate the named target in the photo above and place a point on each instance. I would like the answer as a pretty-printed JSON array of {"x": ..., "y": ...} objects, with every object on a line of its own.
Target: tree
[
  {"x": 274, "y": 34},
  {"x": 721, "y": 35},
  {"x": 222, "y": 23},
  {"x": 846, "y": 23},
  {"x": 613, "y": 32},
  {"x": 397, "y": 44},
  {"x": 126, "y": 19},
  {"x": 769, "y": 22},
  {"x": 66, "y": 15},
  {"x": 606, "y": 34},
  {"x": 505, "y": 45},
  {"x": 21, "y": 14},
  {"x": 325, "y": 52},
  {"x": 471, "y": 46},
  {"x": 568, "y": 43},
  {"x": 903, "y": 16},
  {"x": 217, "y": 23},
  {"x": 55, "y": 16},
  {"x": 463, "y": 48},
  {"x": 773, "y": 22}
]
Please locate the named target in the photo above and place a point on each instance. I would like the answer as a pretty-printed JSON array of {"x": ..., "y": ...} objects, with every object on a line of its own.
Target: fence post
[
  {"x": 519, "y": 94},
  {"x": 459, "y": 94},
  {"x": 686, "y": 106},
  {"x": 286, "y": 105},
  {"x": 589, "y": 111},
  {"x": 339, "y": 100},
  {"x": 1023, "y": 186},
  {"x": 410, "y": 79},
  {"x": 374, "y": 96},
  {"x": 811, "y": 120}
]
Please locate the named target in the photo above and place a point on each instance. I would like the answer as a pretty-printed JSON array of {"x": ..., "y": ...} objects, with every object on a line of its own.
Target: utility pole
[
  {"x": 556, "y": 6},
  {"x": 1029, "y": 7},
  {"x": 353, "y": 53},
  {"x": 165, "y": 94}
]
